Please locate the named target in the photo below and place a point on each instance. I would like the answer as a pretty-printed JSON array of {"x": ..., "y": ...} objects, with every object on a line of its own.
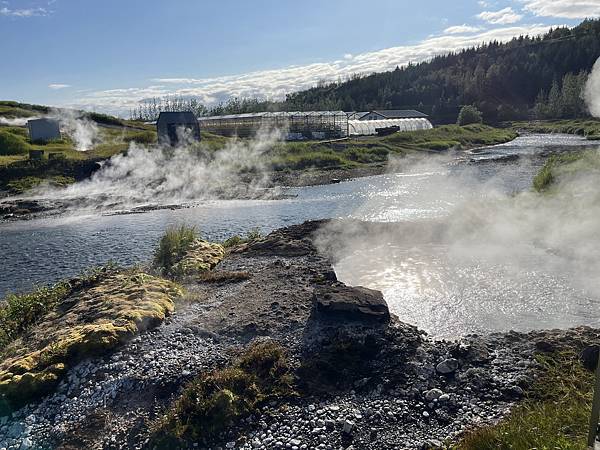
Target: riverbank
[
  {"x": 589, "y": 128},
  {"x": 354, "y": 375}
]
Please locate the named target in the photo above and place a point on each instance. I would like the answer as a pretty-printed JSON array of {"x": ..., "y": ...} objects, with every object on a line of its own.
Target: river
[{"x": 424, "y": 283}]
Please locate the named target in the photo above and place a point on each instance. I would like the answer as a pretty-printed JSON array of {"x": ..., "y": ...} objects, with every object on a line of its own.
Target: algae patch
[{"x": 88, "y": 322}]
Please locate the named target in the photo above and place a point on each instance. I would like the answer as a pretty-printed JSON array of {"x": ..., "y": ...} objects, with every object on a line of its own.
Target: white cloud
[
  {"x": 57, "y": 86},
  {"x": 29, "y": 12},
  {"x": 569, "y": 9},
  {"x": 276, "y": 83},
  {"x": 461, "y": 29},
  {"x": 503, "y": 17}
]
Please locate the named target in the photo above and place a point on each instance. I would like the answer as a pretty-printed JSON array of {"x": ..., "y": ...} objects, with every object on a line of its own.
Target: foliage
[
  {"x": 251, "y": 236},
  {"x": 557, "y": 165},
  {"x": 216, "y": 401},
  {"x": 583, "y": 127},
  {"x": 142, "y": 137},
  {"x": 554, "y": 416},
  {"x": 502, "y": 79},
  {"x": 468, "y": 115},
  {"x": 25, "y": 184},
  {"x": 18, "y": 312},
  {"x": 172, "y": 246},
  {"x": 12, "y": 144}
]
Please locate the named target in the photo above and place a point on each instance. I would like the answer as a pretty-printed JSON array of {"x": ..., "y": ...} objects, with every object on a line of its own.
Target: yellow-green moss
[
  {"x": 200, "y": 257},
  {"x": 90, "y": 322}
]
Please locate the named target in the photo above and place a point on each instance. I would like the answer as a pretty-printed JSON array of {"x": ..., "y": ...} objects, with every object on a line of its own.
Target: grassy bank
[
  {"x": 18, "y": 173},
  {"x": 555, "y": 414},
  {"x": 358, "y": 152},
  {"x": 558, "y": 166},
  {"x": 590, "y": 128}
]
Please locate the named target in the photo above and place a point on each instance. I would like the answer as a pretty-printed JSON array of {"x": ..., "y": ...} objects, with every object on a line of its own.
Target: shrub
[
  {"x": 142, "y": 137},
  {"x": 251, "y": 236},
  {"x": 555, "y": 414},
  {"x": 20, "y": 311},
  {"x": 173, "y": 245},
  {"x": 469, "y": 114},
  {"x": 216, "y": 401},
  {"x": 11, "y": 144}
]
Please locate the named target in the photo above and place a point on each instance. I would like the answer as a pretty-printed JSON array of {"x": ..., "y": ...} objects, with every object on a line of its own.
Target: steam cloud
[
  {"x": 83, "y": 131},
  {"x": 16, "y": 121},
  {"x": 592, "y": 90},
  {"x": 164, "y": 176},
  {"x": 490, "y": 260}
]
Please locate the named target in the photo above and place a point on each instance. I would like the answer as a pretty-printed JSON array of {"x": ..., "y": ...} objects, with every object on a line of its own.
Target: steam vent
[
  {"x": 174, "y": 128},
  {"x": 43, "y": 130}
]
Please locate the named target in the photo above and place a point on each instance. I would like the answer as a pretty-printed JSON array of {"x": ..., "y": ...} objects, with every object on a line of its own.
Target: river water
[{"x": 424, "y": 282}]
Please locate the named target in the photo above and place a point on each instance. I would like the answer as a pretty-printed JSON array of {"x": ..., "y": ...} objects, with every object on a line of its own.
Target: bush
[
  {"x": 469, "y": 114},
  {"x": 11, "y": 144},
  {"x": 251, "y": 236},
  {"x": 214, "y": 402},
  {"x": 19, "y": 312},
  {"x": 555, "y": 414},
  {"x": 142, "y": 137},
  {"x": 172, "y": 247}
]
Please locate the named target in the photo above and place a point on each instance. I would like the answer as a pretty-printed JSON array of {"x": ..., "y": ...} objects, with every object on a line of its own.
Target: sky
[{"x": 107, "y": 56}]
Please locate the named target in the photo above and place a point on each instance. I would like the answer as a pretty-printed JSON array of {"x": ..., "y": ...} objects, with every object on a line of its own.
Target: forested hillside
[
  {"x": 502, "y": 80},
  {"x": 529, "y": 77}
]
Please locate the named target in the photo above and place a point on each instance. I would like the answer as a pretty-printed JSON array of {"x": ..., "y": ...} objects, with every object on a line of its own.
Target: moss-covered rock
[
  {"x": 89, "y": 322},
  {"x": 200, "y": 257}
]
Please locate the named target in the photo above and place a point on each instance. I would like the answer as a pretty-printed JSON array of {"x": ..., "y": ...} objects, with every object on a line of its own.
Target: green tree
[{"x": 469, "y": 114}]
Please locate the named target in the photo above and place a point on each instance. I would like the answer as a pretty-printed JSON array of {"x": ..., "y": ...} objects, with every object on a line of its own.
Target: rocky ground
[{"x": 368, "y": 381}]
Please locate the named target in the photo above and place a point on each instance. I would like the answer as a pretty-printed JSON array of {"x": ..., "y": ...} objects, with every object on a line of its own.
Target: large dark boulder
[{"x": 355, "y": 304}]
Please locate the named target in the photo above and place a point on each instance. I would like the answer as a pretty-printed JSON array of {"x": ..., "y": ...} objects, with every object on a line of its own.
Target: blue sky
[{"x": 108, "y": 55}]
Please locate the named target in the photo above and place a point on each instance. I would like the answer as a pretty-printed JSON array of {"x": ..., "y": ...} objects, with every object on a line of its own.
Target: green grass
[
  {"x": 19, "y": 312},
  {"x": 589, "y": 128},
  {"x": 375, "y": 150},
  {"x": 13, "y": 144},
  {"x": 25, "y": 184},
  {"x": 172, "y": 247},
  {"x": 554, "y": 416},
  {"x": 251, "y": 236},
  {"x": 219, "y": 400},
  {"x": 563, "y": 165}
]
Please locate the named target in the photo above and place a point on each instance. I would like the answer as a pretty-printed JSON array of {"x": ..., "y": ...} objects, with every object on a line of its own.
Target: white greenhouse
[{"x": 369, "y": 127}]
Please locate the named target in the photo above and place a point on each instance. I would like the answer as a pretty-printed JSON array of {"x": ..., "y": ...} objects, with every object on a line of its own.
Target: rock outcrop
[{"x": 345, "y": 303}]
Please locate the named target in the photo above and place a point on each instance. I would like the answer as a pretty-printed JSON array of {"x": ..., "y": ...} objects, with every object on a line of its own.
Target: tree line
[{"x": 527, "y": 77}]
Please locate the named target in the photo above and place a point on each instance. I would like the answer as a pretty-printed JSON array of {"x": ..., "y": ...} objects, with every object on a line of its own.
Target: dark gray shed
[
  {"x": 43, "y": 130},
  {"x": 176, "y": 127}
]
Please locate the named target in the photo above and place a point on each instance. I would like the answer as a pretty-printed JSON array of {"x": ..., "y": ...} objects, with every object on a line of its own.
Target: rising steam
[
  {"x": 16, "y": 121},
  {"x": 82, "y": 131},
  {"x": 165, "y": 176},
  {"x": 592, "y": 90},
  {"x": 489, "y": 259}
]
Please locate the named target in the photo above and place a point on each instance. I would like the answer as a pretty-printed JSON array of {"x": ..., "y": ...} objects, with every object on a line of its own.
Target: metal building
[
  {"x": 43, "y": 130},
  {"x": 174, "y": 128},
  {"x": 297, "y": 125}
]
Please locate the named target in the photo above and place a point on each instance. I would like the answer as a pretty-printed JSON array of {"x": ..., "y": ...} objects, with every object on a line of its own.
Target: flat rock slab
[{"x": 346, "y": 303}]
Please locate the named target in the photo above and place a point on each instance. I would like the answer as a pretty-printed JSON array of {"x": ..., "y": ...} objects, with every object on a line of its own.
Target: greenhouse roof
[
  {"x": 276, "y": 114},
  {"x": 400, "y": 113}
]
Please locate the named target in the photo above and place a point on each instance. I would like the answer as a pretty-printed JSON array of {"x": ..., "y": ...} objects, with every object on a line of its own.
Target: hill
[{"x": 537, "y": 77}]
